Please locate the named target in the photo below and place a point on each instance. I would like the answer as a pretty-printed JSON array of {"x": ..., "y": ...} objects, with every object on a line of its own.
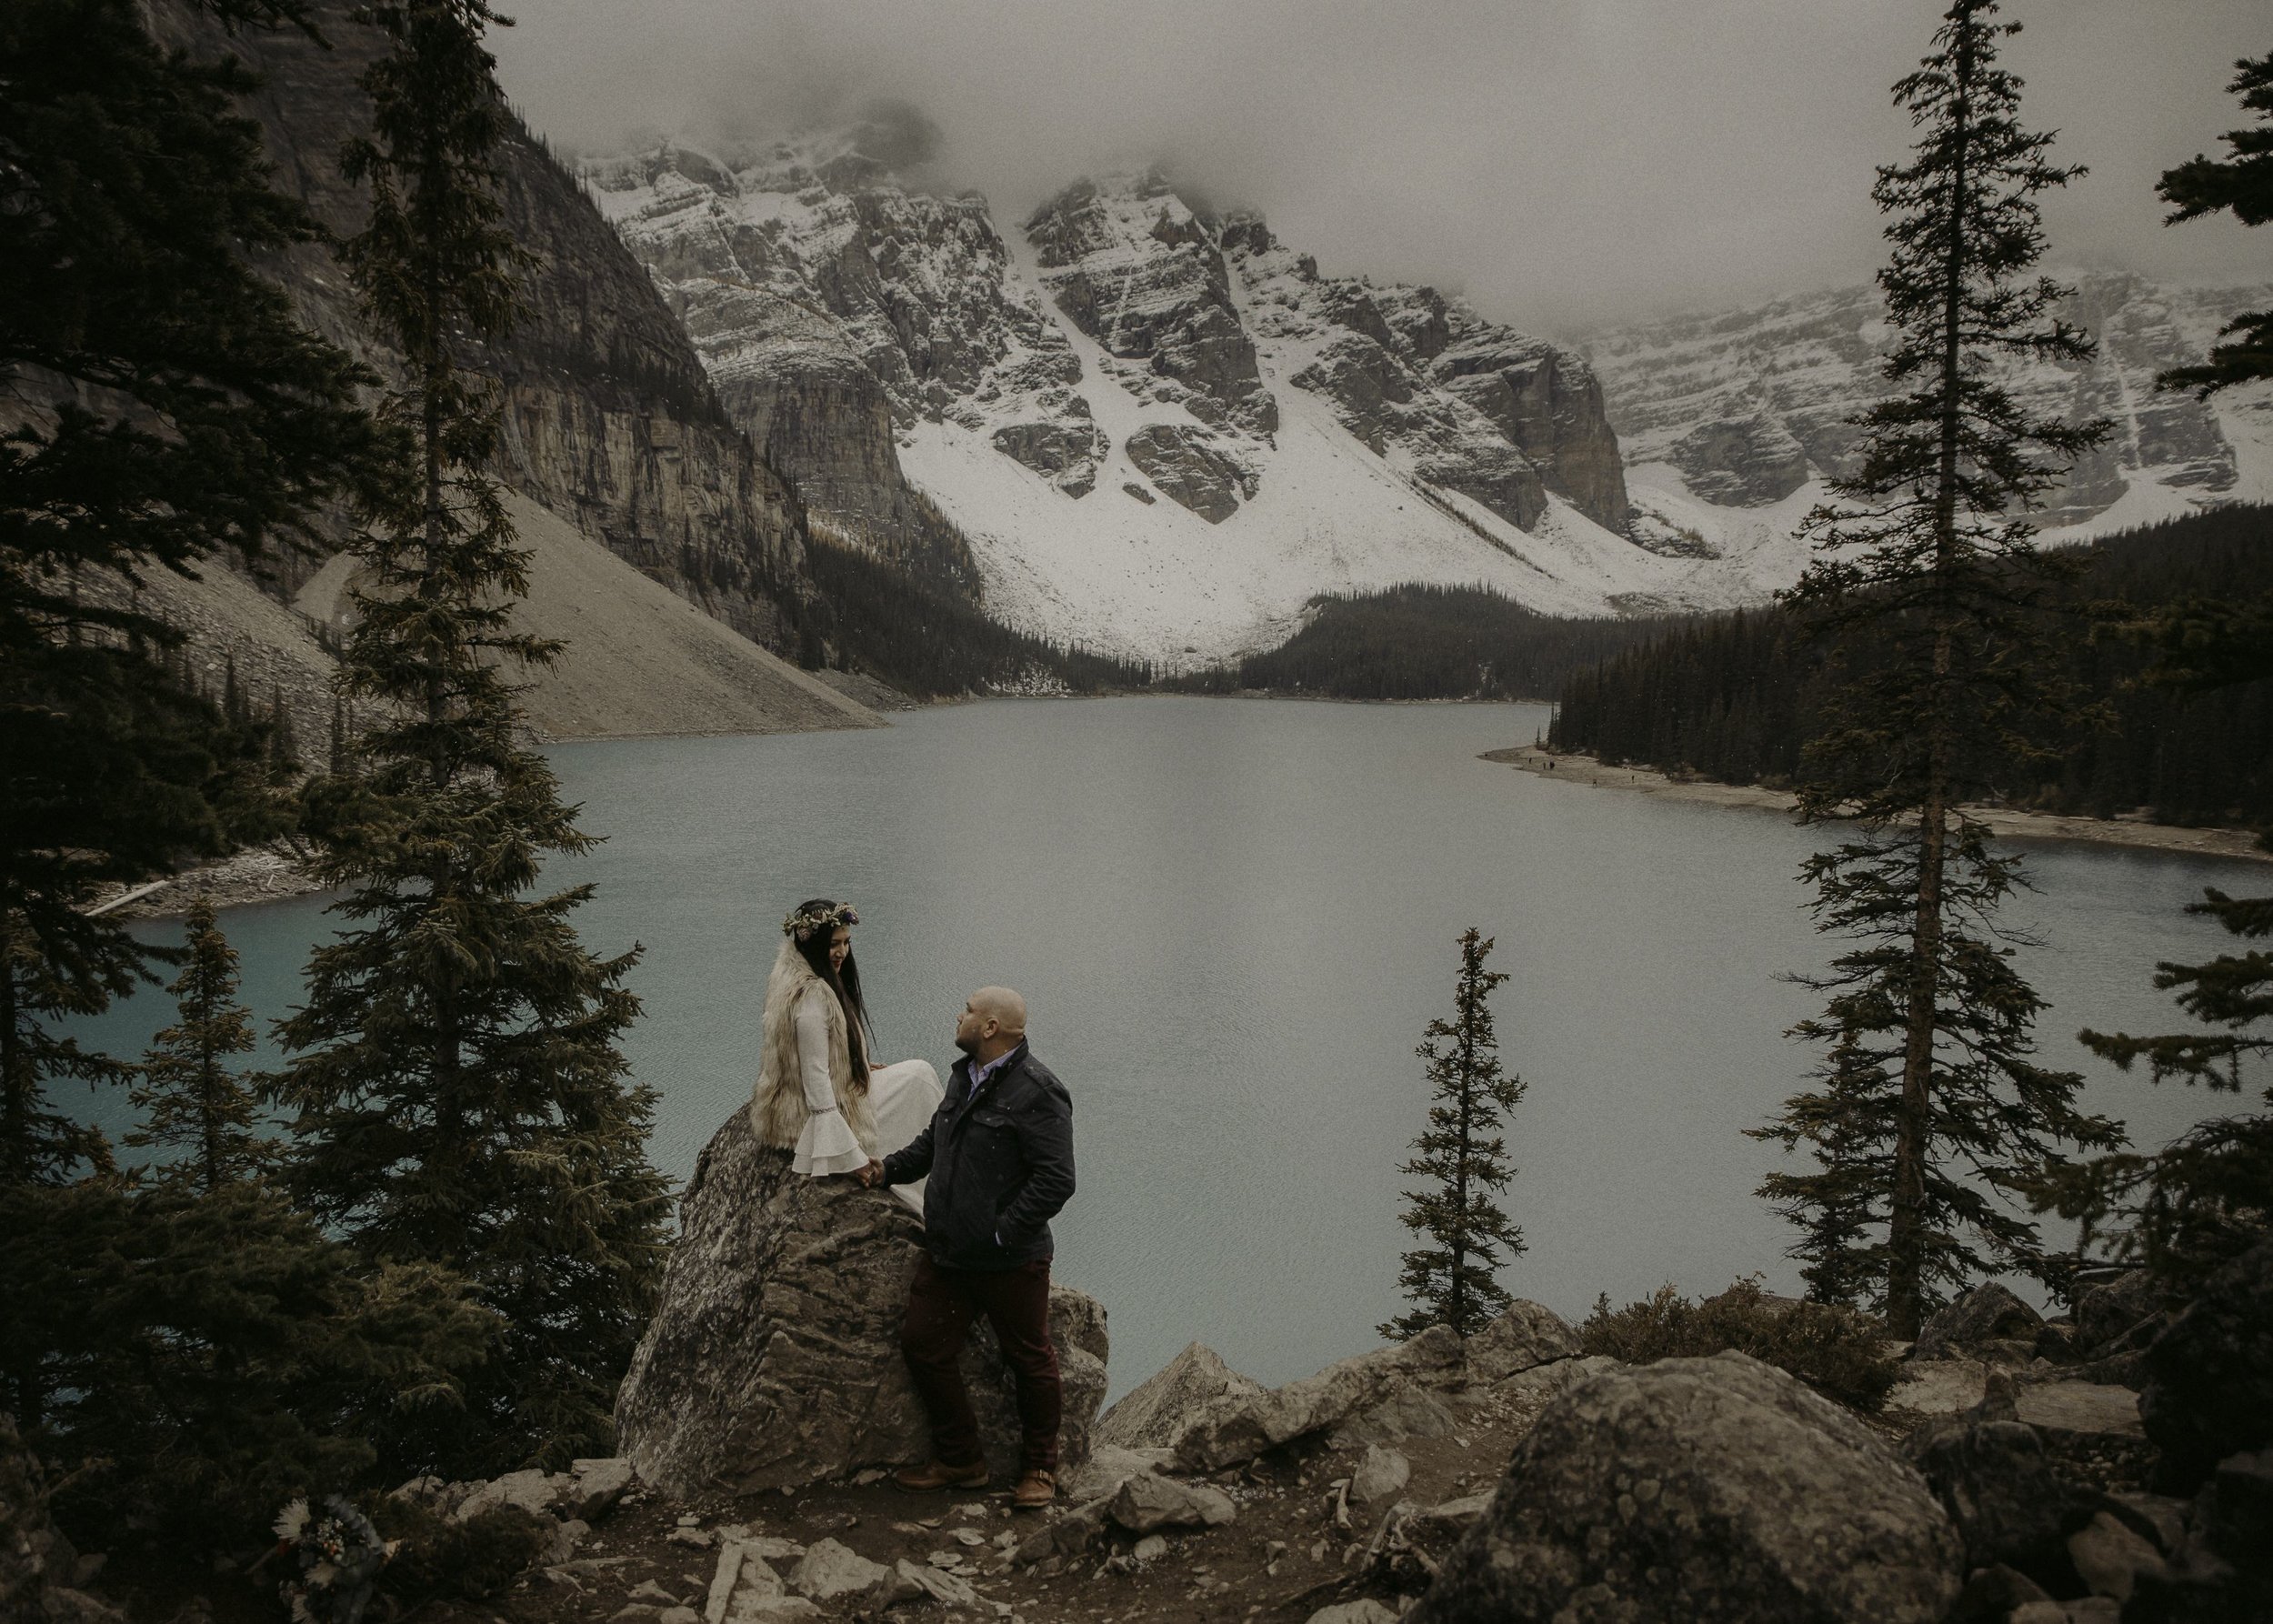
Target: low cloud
[{"x": 1566, "y": 162}]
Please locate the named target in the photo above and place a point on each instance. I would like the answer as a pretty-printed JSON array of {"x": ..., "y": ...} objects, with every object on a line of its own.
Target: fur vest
[{"x": 778, "y": 1110}]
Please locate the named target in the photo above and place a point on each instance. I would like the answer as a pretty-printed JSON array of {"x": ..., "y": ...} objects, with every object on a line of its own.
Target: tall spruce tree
[
  {"x": 460, "y": 1096},
  {"x": 2241, "y": 186},
  {"x": 1930, "y": 1106},
  {"x": 196, "y": 1102},
  {"x": 162, "y": 408},
  {"x": 1453, "y": 1279}
]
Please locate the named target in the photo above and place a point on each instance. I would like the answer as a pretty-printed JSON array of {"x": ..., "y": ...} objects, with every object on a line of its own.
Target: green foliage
[
  {"x": 168, "y": 409},
  {"x": 1921, "y": 562},
  {"x": 1838, "y": 1352},
  {"x": 461, "y": 1101},
  {"x": 212, "y": 1354},
  {"x": 1734, "y": 697},
  {"x": 1424, "y": 642},
  {"x": 1453, "y": 1280},
  {"x": 2241, "y": 186},
  {"x": 197, "y": 1104},
  {"x": 873, "y": 615},
  {"x": 443, "y": 1560}
]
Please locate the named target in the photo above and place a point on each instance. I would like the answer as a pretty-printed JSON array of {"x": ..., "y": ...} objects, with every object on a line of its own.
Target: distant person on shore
[
  {"x": 999, "y": 1154},
  {"x": 819, "y": 1094}
]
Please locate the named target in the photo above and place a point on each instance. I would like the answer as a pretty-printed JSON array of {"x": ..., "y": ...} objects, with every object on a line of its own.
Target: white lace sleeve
[
  {"x": 813, "y": 1053},
  {"x": 827, "y": 1144}
]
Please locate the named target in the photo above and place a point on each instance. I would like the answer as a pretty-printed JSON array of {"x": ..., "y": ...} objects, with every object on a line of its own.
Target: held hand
[{"x": 871, "y": 1176}]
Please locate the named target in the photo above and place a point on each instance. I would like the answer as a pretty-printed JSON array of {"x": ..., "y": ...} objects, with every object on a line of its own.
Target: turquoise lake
[{"x": 1232, "y": 920}]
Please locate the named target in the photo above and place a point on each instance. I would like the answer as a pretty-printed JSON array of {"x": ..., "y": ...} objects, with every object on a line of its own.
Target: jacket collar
[{"x": 1009, "y": 1064}]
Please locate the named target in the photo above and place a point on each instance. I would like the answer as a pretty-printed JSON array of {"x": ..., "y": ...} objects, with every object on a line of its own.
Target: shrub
[
  {"x": 1839, "y": 1351},
  {"x": 441, "y": 1560}
]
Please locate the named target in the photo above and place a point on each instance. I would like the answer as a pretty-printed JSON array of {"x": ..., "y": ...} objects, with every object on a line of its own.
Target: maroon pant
[{"x": 941, "y": 1304}]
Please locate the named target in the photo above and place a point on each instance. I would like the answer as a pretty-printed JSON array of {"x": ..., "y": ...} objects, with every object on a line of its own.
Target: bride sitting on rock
[{"x": 817, "y": 1095}]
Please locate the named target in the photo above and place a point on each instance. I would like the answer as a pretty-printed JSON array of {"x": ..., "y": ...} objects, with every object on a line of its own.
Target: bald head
[{"x": 992, "y": 1024}]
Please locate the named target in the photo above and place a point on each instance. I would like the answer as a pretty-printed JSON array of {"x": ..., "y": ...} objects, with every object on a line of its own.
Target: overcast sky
[{"x": 1565, "y": 163}]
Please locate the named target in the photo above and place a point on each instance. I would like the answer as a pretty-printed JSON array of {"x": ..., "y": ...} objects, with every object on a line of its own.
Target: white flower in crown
[{"x": 802, "y": 926}]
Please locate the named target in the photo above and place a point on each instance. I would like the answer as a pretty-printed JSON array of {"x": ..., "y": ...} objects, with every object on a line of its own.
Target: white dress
[{"x": 902, "y": 1096}]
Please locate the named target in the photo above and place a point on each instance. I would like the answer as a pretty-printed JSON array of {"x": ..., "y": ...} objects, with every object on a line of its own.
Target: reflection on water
[{"x": 1232, "y": 920}]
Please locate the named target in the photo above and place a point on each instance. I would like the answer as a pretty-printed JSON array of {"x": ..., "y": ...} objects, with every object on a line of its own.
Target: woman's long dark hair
[{"x": 859, "y": 1034}]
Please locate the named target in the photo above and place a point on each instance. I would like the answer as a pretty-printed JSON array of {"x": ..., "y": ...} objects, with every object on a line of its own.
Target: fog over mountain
[{"x": 1566, "y": 162}]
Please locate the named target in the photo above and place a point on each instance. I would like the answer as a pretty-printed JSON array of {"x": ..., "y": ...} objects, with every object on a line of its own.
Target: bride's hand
[{"x": 870, "y": 1176}]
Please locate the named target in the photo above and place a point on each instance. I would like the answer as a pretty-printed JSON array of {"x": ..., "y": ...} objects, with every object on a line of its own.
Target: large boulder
[
  {"x": 774, "y": 1359},
  {"x": 2210, "y": 1377},
  {"x": 1527, "y": 1336},
  {"x": 1990, "y": 1472},
  {"x": 1154, "y": 1412},
  {"x": 1986, "y": 1315},
  {"x": 1698, "y": 1492},
  {"x": 1239, "y": 1426}
]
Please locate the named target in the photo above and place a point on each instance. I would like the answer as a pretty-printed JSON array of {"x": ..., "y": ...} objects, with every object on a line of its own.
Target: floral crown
[{"x": 802, "y": 926}]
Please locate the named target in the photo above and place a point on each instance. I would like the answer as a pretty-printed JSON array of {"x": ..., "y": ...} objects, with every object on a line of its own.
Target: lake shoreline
[{"x": 1574, "y": 767}]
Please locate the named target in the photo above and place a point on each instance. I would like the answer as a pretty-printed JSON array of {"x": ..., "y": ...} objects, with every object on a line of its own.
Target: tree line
[
  {"x": 1735, "y": 698},
  {"x": 1418, "y": 641}
]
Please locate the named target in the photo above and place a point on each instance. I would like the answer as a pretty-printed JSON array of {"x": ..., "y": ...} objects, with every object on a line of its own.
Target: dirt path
[{"x": 2024, "y": 825}]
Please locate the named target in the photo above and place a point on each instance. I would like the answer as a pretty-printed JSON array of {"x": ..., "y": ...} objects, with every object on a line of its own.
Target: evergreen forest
[{"x": 1735, "y": 697}]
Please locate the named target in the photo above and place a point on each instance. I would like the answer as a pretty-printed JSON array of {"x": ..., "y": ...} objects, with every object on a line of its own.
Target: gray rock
[
  {"x": 1153, "y": 1414},
  {"x": 774, "y": 1359},
  {"x": 2210, "y": 1377},
  {"x": 1938, "y": 1387},
  {"x": 1541, "y": 1383},
  {"x": 1742, "y": 461},
  {"x": 1714, "y": 1488},
  {"x": 1365, "y": 1611},
  {"x": 2111, "y": 1558},
  {"x": 1111, "y": 1466},
  {"x": 595, "y": 1486},
  {"x": 533, "y": 1491},
  {"x": 1986, "y": 1313},
  {"x": 773, "y": 1609},
  {"x": 1067, "y": 1537},
  {"x": 1526, "y": 1336},
  {"x": 941, "y": 1588},
  {"x": 1150, "y": 1549},
  {"x": 1191, "y": 467},
  {"x": 1380, "y": 1476},
  {"x": 1408, "y": 1413},
  {"x": 1239, "y": 1426},
  {"x": 1149, "y": 1501},
  {"x": 1996, "y": 1482},
  {"x": 1064, "y": 452},
  {"x": 646, "y": 1590},
  {"x": 2082, "y": 1409},
  {"x": 829, "y": 1571},
  {"x": 678, "y": 1615},
  {"x": 2106, "y": 1314}
]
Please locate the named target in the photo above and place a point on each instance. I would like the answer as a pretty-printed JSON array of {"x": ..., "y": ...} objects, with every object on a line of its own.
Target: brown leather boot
[
  {"x": 938, "y": 1474},
  {"x": 1035, "y": 1489}
]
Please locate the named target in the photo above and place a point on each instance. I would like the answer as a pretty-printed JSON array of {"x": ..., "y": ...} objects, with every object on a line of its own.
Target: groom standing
[{"x": 1000, "y": 1154}]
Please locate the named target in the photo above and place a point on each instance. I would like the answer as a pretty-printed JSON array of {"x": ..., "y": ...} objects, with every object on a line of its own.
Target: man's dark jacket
[{"x": 1001, "y": 1165}]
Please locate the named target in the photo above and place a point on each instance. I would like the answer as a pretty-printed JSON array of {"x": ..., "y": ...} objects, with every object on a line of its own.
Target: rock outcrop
[
  {"x": 1205, "y": 1415},
  {"x": 1187, "y": 465},
  {"x": 774, "y": 1359},
  {"x": 1747, "y": 406},
  {"x": 1702, "y": 1490},
  {"x": 1136, "y": 269}
]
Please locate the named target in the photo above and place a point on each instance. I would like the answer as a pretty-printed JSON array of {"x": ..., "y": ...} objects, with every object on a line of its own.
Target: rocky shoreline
[{"x": 1575, "y": 767}]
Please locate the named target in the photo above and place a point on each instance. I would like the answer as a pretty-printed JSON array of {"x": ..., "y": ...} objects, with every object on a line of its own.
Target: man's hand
[{"x": 871, "y": 1176}]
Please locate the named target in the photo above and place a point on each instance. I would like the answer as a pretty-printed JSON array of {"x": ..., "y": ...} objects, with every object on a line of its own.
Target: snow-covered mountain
[
  {"x": 1731, "y": 421},
  {"x": 1162, "y": 431}
]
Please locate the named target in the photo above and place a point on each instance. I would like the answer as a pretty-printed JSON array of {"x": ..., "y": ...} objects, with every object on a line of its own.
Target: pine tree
[
  {"x": 2241, "y": 186},
  {"x": 1454, "y": 1279},
  {"x": 164, "y": 408},
  {"x": 1927, "y": 577},
  {"x": 197, "y": 1104},
  {"x": 460, "y": 1096}
]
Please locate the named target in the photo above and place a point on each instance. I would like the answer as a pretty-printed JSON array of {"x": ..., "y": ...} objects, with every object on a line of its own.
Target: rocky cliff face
[
  {"x": 1745, "y": 409},
  {"x": 1160, "y": 431},
  {"x": 608, "y": 416}
]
